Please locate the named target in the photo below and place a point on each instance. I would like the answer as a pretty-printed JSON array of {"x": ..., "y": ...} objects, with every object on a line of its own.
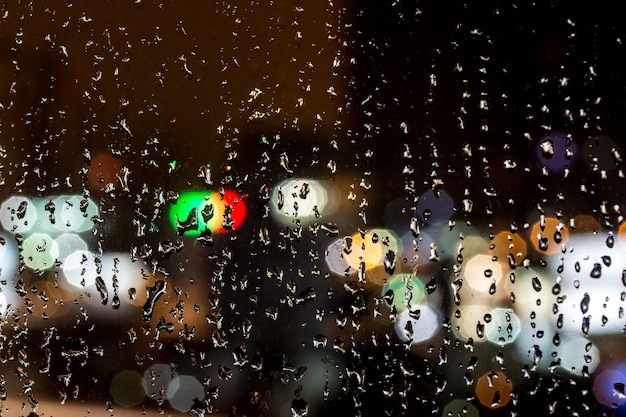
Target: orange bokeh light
[
  {"x": 494, "y": 390},
  {"x": 506, "y": 243},
  {"x": 552, "y": 226}
]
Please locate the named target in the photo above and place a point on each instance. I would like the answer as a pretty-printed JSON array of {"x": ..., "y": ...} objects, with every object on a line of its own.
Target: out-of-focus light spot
[
  {"x": 576, "y": 351},
  {"x": 460, "y": 408},
  {"x": 549, "y": 240},
  {"x": 182, "y": 390},
  {"x": 3, "y": 303},
  {"x": 555, "y": 152},
  {"x": 493, "y": 390},
  {"x": 196, "y": 211},
  {"x": 419, "y": 324},
  {"x": 423, "y": 250},
  {"x": 80, "y": 268},
  {"x": 156, "y": 380},
  {"x": 75, "y": 213},
  {"x": 481, "y": 273},
  {"x": 465, "y": 325},
  {"x": 435, "y": 207},
  {"x": 509, "y": 245},
  {"x": 376, "y": 249},
  {"x": 40, "y": 251},
  {"x": 608, "y": 388},
  {"x": 593, "y": 280},
  {"x": 303, "y": 199},
  {"x": 17, "y": 214},
  {"x": 102, "y": 172},
  {"x": 621, "y": 235},
  {"x": 127, "y": 389},
  {"x": 504, "y": 327},
  {"x": 528, "y": 285},
  {"x": 586, "y": 224},
  {"x": 69, "y": 243},
  {"x": 9, "y": 255},
  {"x": 408, "y": 291}
]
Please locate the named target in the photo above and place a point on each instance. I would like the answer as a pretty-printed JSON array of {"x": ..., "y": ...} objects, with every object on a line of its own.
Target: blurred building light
[
  {"x": 40, "y": 252},
  {"x": 17, "y": 214},
  {"x": 306, "y": 200}
]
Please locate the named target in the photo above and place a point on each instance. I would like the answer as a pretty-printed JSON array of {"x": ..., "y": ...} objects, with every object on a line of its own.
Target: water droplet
[
  {"x": 102, "y": 289},
  {"x": 585, "y": 324},
  {"x": 558, "y": 237},
  {"x": 596, "y": 271},
  {"x": 347, "y": 244},
  {"x": 610, "y": 241},
  {"x": 414, "y": 226},
  {"x": 305, "y": 296},
  {"x": 480, "y": 330},
  {"x": 431, "y": 286},
  {"x": 543, "y": 243},
  {"x": 605, "y": 320},
  {"x": 577, "y": 266},
  {"x": 606, "y": 260},
  {"x": 556, "y": 289},
  {"x": 618, "y": 390},
  {"x": 388, "y": 297},
  {"x": 536, "y": 284},
  {"x": 584, "y": 303},
  {"x": 389, "y": 262},
  {"x": 492, "y": 288},
  {"x": 154, "y": 293}
]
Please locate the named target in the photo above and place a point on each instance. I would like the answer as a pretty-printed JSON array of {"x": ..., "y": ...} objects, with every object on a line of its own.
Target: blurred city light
[
  {"x": 608, "y": 388},
  {"x": 504, "y": 326},
  {"x": 17, "y": 214},
  {"x": 469, "y": 321},
  {"x": 75, "y": 213},
  {"x": 80, "y": 268},
  {"x": 68, "y": 243},
  {"x": 375, "y": 251},
  {"x": 408, "y": 291},
  {"x": 460, "y": 408},
  {"x": 482, "y": 274},
  {"x": 304, "y": 199},
  {"x": 493, "y": 389},
  {"x": 127, "y": 389},
  {"x": 197, "y": 211},
  {"x": 156, "y": 379},
  {"x": 183, "y": 390},
  {"x": 509, "y": 245},
  {"x": 549, "y": 235},
  {"x": 419, "y": 324},
  {"x": 555, "y": 152},
  {"x": 435, "y": 207},
  {"x": 40, "y": 251},
  {"x": 593, "y": 285}
]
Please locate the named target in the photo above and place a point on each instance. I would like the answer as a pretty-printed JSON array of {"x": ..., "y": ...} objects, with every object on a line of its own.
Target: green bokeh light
[
  {"x": 181, "y": 213},
  {"x": 401, "y": 285}
]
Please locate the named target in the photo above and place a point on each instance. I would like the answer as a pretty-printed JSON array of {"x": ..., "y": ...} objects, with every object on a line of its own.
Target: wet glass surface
[{"x": 311, "y": 208}]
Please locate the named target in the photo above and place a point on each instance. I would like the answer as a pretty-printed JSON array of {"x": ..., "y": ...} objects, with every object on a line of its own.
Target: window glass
[{"x": 311, "y": 208}]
